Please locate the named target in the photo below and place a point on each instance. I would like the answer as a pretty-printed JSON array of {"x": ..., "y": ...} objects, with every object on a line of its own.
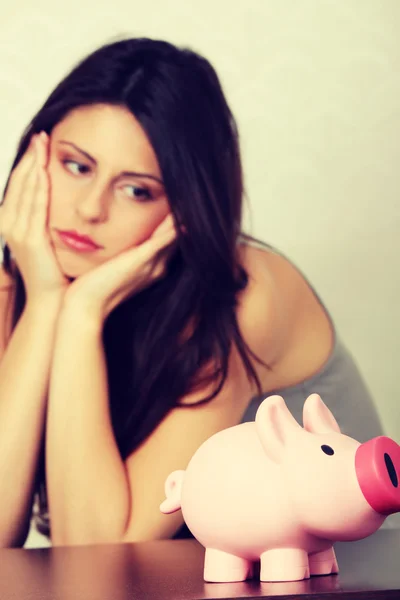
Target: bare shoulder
[
  {"x": 264, "y": 313},
  {"x": 281, "y": 317}
]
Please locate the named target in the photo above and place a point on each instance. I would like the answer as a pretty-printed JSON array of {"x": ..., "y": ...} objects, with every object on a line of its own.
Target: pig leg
[
  {"x": 323, "y": 563},
  {"x": 284, "y": 564},
  {"x": 223, "y": 567}
]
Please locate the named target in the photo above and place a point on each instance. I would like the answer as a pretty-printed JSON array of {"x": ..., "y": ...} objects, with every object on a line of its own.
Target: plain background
[{"x": 315, "y": 88}]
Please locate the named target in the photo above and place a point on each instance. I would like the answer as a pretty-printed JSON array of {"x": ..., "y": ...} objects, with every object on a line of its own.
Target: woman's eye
[
  {"x": 77, "y": 168},
  {"x": 81, "y": 168},
  {"x": 140, "y": 193}
]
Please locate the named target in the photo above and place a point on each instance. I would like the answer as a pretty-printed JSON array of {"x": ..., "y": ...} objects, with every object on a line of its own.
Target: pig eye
[{"x": 328, "y": 450}]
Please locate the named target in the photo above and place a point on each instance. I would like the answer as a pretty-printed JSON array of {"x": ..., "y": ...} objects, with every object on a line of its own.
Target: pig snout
[{"x": 377, "y": 466}]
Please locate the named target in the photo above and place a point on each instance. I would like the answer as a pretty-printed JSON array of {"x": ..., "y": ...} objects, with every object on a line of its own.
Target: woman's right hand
[{"x": 23, "y": 223}]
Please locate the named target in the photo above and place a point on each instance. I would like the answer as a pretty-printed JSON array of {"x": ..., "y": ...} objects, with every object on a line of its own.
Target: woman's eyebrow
[{"x": 122, "y": 174}]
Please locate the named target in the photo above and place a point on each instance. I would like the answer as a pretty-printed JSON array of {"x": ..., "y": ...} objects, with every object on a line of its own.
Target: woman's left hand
[{"x": 99, "y": 291}]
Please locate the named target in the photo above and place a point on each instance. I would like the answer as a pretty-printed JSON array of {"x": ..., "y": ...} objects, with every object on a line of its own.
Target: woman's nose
[{"x": 93, "y": 205}]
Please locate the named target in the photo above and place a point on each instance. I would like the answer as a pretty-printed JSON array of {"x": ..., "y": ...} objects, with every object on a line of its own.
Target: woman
[{"x": 141, "y": 319}]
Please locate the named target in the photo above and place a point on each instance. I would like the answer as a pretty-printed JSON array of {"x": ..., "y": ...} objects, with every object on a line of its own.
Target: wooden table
[{"x": 172, "y": 570}]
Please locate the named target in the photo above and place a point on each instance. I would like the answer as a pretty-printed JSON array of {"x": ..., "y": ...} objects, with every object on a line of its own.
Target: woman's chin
[
  {"x": 71, "y": 267},
  {"x": 70, "y": 274}
]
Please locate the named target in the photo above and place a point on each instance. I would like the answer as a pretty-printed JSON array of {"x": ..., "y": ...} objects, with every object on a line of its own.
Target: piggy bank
[{"x": 273, "y": 492}]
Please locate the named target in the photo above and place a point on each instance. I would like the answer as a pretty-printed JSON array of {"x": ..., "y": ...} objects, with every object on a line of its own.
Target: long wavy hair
[{"x": 176, "y": 335}]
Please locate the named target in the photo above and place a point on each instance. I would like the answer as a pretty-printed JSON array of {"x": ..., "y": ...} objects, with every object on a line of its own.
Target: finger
[
  {"x": 149, "y": 272},
  {"x": 21, "y": 170},
  {"x": 166, "y": 237},
  {"x": 143, "y": 256},
  {"x": 159, "y": 270},
  {"x": 154, "y": 244},
  {"x": 40, "y": 205},
  {"x": 25, "y": 202},
  {"x": 14, "y": 189},
  {"x": 38, "y": 209},
  {"x": 43, "y": 148},
  {"x": 165, "y": 225}
]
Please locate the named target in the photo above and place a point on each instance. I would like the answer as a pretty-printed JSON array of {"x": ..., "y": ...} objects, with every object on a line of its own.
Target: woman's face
[{"x": 105, "y": 183}]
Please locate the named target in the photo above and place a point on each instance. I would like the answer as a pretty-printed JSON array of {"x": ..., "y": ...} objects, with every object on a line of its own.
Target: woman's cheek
[
  {"x": 61, "y": 202},
  {"x": 143, "y": 229}
]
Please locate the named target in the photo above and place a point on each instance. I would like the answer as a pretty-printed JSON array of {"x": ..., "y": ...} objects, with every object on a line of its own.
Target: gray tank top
[
  {"x": 338, "y": 382},
  {"x": 340, "y": 385}
]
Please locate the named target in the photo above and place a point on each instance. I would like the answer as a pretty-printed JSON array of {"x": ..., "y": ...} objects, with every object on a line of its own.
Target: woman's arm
[
  {"x": 25, "y": 367},
  {"x": 94, "y": 496},
  {"x": 87, "y": 485},
  {"x": 24, "y": 375}
]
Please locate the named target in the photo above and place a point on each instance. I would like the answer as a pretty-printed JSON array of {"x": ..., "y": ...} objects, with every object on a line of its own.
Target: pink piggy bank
[{"x": 275, "y": 492}]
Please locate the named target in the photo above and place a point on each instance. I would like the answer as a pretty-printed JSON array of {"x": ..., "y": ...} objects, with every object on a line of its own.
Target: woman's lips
[{"x": 76, "y": 242}]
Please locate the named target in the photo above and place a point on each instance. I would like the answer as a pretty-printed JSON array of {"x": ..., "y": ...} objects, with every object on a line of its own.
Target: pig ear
[
  {"x": 317, "y": 418},
  {"x": 275, "y": 424}
]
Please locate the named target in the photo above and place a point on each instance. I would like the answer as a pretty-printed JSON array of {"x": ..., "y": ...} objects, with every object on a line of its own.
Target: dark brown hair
[{"x": 158, "y": 342}]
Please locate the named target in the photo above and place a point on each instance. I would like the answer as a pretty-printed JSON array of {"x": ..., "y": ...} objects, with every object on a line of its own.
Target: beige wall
[{"x": 315, "y": 86}]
